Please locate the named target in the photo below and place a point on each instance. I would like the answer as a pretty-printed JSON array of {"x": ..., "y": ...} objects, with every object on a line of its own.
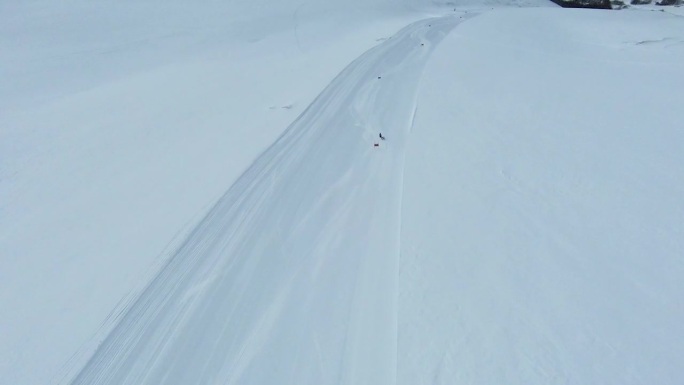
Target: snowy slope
[
  {"x": 291, "y": 277},
  {"x": 543, "y": 221},
  {"x": 534, "y": 235},
  {"x": 121, "y": 124}
]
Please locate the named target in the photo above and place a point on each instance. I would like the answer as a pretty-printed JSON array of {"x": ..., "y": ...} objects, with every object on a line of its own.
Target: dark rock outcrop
[{"x": 595, "y": 4}]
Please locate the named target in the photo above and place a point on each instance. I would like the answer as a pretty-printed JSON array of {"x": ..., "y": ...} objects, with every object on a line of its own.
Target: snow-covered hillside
[
  {"x": 542, "y": 235},
  {"x": 121, "y": 124},
  {"x": 190, "y": 193}
]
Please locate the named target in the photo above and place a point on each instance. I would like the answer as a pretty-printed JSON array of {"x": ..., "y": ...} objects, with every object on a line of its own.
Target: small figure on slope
[{"x": 381, "y": 137}]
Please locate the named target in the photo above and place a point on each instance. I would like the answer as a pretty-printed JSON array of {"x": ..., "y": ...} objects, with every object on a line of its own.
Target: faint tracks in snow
[
  {"x": 295, "y": 17},
  {"x": 298, "y": 262}
]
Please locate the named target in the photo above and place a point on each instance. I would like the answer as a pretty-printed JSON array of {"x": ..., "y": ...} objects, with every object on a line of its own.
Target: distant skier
[{"x": 382, "y": 137}]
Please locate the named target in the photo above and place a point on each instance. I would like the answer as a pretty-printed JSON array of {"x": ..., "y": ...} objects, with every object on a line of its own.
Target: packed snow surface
[{"x": 191, "y": 194}]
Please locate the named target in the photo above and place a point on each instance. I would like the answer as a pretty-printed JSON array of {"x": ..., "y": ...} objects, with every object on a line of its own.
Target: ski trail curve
[{"x": 291, "y": 277}]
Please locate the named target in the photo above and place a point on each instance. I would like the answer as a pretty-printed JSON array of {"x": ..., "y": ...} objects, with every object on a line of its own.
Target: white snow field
[
  {"x": 542, "y": 224},
  {"x": 190, "y": 193}
]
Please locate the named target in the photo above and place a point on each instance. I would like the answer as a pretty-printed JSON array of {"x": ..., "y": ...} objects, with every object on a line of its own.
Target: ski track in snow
[{"x": 314, "y": 223}]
